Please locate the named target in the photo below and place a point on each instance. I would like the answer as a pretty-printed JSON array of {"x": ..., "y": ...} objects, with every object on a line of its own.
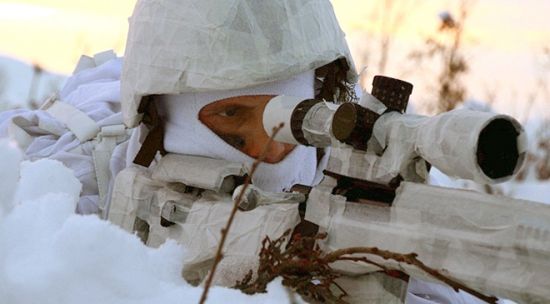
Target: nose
[
  {"x": 256, "y": 145},
  {"x": 253, "y": 150},
  {"x": 274, "y": 154}
]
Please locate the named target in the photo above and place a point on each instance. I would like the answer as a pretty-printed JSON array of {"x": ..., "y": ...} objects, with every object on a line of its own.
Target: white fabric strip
[
  {"x": 106, "y": 142},
  {"x": 18, "y": 134},
  {"x": 82, "y": 126}
]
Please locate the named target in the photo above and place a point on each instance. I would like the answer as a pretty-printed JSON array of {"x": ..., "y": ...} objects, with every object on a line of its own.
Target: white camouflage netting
[{"x": 177, "y": 46}]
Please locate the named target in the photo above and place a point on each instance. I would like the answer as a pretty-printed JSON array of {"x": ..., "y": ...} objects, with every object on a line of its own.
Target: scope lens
[{"x": 497, "y": 149}]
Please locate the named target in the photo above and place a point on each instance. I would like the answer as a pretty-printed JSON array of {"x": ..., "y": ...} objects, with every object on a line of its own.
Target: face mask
[{"x": 185, "y": 134}]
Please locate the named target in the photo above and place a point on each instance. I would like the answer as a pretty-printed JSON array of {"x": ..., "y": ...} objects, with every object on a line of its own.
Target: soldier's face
[{"x": 238, "y": 121}]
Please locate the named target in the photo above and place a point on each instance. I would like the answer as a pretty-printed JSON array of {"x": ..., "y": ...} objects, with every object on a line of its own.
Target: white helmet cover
[{"x": 177, "y": 46}]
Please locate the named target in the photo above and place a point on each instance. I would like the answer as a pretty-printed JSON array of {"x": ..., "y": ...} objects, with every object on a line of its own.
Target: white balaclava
[{"x": 186, "y": 134}]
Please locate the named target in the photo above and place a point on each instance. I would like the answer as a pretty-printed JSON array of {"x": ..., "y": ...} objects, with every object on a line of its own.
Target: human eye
[{"x": 228, "y": 112}]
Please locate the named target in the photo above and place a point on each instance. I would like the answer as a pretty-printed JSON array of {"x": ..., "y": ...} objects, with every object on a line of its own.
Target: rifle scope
[{"x": 480, "y": 146}]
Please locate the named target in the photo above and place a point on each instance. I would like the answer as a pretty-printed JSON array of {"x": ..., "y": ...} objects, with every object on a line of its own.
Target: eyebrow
[
  {"x": 214, "y": 108},
  {"x": 243, "y": 100},
  {"x": 224, "y": 102}
]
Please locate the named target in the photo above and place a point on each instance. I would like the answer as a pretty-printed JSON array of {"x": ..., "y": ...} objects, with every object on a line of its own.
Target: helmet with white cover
[{"x": 179, "y": 46}]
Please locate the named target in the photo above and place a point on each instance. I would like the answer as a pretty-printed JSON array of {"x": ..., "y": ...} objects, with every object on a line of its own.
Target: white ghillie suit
[
  {"x": 84, "y": 117},
  {"x": 183, "y": 47}
]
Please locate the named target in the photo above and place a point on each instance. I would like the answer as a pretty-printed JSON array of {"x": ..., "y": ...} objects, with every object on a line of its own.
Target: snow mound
[
  {"x": 46, "y": 176},
  {"x": 48, "y": 254}
]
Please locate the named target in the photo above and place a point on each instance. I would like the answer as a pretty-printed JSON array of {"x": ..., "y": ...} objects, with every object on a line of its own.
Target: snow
[
  {"x": 46, "y": 176},
  {"x": 533, "y": 191},
  {"x": 48, "y": 254}
]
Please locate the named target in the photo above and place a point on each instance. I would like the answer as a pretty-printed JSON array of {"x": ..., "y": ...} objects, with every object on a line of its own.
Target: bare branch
[
  {"x": 236, "y": 203},
  {"x": 411, "y": 259},
  {"x": 307, "y": 270}
]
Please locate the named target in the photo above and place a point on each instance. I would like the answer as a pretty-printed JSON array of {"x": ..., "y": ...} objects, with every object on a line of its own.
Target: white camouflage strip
[{"x": 497, "y": 245}]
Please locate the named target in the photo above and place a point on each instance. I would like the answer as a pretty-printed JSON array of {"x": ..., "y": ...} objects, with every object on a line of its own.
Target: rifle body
[{"x": 494, "y": 244}]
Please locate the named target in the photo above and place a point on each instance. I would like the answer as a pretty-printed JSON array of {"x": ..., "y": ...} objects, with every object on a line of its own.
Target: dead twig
[
  {"x": 307, "y": 270},
  {"x": 225, "y": 230},
  {"x": 411, "y": 259},
  {"x": 301, "y": 267}
]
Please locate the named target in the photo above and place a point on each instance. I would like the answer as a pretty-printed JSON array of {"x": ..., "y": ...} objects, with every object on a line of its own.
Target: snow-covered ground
[{"x": 48, "y": 254}]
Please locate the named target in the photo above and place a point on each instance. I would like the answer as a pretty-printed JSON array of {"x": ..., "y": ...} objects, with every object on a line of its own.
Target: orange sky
[
  {"x": 54, "y": 33},
  {"x": 504, "y": 36}
]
